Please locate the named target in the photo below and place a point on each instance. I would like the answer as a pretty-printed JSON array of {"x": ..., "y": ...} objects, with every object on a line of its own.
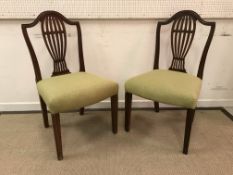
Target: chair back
[
  {"x": 55, "y": 38},
  {"x": 182, "y": 33}
]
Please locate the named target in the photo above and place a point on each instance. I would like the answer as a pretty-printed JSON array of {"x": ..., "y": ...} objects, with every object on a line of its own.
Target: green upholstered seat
[
  {"x": 165, "y": 86},
  {"x": 75, "y": 90}
]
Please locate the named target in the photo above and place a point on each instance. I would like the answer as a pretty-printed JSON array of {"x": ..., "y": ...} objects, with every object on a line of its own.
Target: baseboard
[
  {"x": 215, "y": 102},
  {"x": 20, "y": 106},
  {"x": 35, "y": 106}
]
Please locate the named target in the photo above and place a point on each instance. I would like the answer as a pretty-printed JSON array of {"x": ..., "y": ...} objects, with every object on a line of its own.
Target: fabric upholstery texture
[
  {"x": 165, "y": 86},
  {"x": 75, "y": 90}
]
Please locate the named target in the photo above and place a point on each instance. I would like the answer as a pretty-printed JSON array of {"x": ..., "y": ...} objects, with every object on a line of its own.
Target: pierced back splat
[
  {"x": 54, "y": 34},
  {"x": 182, "y": 34},
  {"x": 55, "y": 38}
]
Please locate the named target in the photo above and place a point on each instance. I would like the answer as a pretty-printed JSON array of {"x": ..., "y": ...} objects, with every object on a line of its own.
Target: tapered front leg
[
  {"x": 44, "y": 113},
  {"x": 128, "y": 104},
  {"x": 57, "y": 135},
  {"x": 156, "y": 106},
  {"x": 188, "y": 128},
  {"x": 114, "y": 109},
  {"x": 81, "y": 111}
]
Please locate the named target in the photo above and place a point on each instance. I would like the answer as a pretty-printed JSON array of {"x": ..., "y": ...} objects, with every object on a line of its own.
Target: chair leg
[
  {"x": 114, "y": 109},
  {"x": 188, "y": 127},
  {"x": 156, "y": 106},
  {"x": 57, "y": 135},
  {"x": 44, "y": 113},
  {"x": 81, "y": 111},
  {"x": 128, "y": 104}
]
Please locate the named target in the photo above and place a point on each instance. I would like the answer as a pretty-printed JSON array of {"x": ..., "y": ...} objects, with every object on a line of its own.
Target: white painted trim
[
  {"x": 20, "y": 106},
  {"x": 230, "y": 110},
  {"x": 215, "y": 103},
  {"x": 34, "y": 106}
]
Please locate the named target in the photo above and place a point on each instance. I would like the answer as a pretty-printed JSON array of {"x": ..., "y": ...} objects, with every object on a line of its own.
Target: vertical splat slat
[
  {"x": 184, "y": 37},
  {"x": 45, "y": 27},
  {"x": 52, "y": 35},
  {"x": 182, "y": 34},
  {"x": 57, "y": 36},
  {"x": 60, "y": 37}
]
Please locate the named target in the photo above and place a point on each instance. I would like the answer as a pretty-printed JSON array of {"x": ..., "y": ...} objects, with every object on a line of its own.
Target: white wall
[{"x": 117, "y": 49}]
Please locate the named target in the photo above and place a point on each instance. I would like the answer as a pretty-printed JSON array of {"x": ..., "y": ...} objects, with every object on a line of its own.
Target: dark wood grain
[
  {"x": 114, "y": 110},
  {"x": 128, "y": 105},
  {"x": 57, "y": 135},
  {"x": 188, "y": 127},
  {"x": 53, "y": 28},
  {"x": 183, "y": 31}
]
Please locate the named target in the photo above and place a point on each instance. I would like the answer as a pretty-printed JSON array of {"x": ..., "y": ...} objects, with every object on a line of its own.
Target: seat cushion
[
  {"x": 165, "y": 86},
  {"x": 75, "y": 90}
]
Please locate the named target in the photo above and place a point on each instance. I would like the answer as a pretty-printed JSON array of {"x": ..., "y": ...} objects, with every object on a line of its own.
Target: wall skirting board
[{"x": 35, "y": 106}]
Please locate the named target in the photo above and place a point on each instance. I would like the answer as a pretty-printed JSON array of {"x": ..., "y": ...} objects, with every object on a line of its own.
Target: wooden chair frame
[
  {"x": 182, "y": 34},
  {"x": 55, "y": 38}
]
